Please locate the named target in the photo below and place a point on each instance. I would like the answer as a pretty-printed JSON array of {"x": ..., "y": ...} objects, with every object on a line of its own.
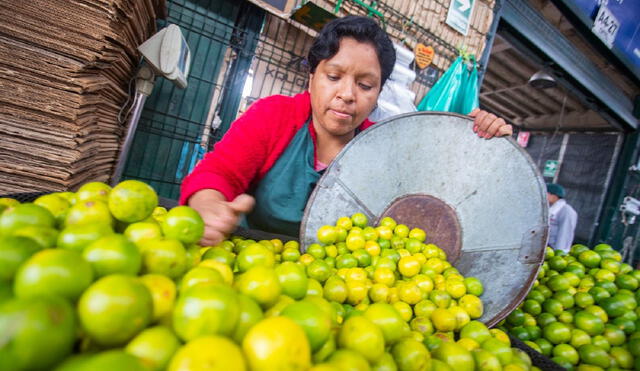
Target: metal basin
[{"x": 482, "y": 201}]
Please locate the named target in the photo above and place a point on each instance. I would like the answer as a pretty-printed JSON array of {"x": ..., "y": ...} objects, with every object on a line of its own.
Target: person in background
[
  {"x": 269, "y": 161},
  {"x": 562, "y": 218}
]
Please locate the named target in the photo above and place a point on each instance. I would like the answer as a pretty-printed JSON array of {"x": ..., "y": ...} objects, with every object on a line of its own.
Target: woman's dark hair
[{"x": 363, "y": 29}]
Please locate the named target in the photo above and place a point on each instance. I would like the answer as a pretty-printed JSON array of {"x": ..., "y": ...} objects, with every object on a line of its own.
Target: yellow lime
[
  {"x": 155, "y": 346},
  {"x": 223, "y": 269},
  {"x": 443, "y": 320},
  {"x": 261, "y": 284},
  {"x": 197, "y": 355},
  {"x": 163, "y": 294},
  {"x": 206, "y": 310},
  {"x": 472, "y": 305},
  {"x": 410, "y": 354},
  {"x": 409, "y": 266},
  {"x": 277, "y": 343},
  {"x": 361, "y": 335}
]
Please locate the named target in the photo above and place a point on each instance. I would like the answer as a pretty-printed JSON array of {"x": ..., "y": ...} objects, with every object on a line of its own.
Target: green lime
[
  {"x": 579, "y": 337},
  {"x": 316, "y": 251},
  {"x": 583, "y": 299},
  {"x": 516, "y": 318},
  {"x": 359, "y": 220},
  {"x": 566, "y": 351},
  {"x": 132, "y": 201},
  {"x": 557, "y": 333},
  {"x": 53, "y": 272},
  {"x": 220, "y": 254},
  {"x": 319, "y": 270},
  {"x": 546, "y": 318},
  {"x": 565, "y": 298},
  {"x": 92, "y": 191},
  {"x": 56, "y": 205},
  {"x": 154, "y": 346},
  {"x": 206, "y": 310},
  {"x": 614, "y": 335},
  {"x": 625, "y": 281},
  {"x": 13, "y": 252},
  {"x": 589, "y": 258},
  {"x": 114, "y": 309},
  {"x": 23, "y": 215},
  {"x": 315, "y": 322},
  {"x": 88, "y": 212},
  {"x": 521, "y": 333},
  {"x": 163, "y": 256},
  {"x": 140, "y": 231},
  {"x": 553, "y": 306},
  {"x": 250, "y": 314},
  {"x": 183, "y": 224},
  {"x": 545, "y": 346},
  {"x": 77, "y": 237},
  {"x": 113, "y": 254},
  {"x": 589, "y": 323},
  {"x": 536, "y": 295},
  {"x": 37, "y": 332},
  {"x": 532, "y": 307},
  {"x": 593, "y": 355}
]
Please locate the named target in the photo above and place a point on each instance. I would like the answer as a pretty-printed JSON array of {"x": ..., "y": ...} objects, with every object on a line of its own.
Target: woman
[{"x": 279, "y": 147}]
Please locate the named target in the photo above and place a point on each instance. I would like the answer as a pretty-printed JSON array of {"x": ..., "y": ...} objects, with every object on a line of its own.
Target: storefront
[{"x": 573, "y": 103}]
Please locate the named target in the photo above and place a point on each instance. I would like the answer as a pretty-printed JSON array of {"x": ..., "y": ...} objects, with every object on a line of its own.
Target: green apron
[{"x": 282, "y": 194}]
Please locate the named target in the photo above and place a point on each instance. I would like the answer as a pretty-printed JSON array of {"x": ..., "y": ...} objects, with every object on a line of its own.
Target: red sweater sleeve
[{"x": 249, "y": 148}]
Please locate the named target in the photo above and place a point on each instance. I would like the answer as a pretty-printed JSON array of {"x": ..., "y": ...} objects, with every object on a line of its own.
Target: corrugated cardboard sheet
[{"x": 64, "y": 72}]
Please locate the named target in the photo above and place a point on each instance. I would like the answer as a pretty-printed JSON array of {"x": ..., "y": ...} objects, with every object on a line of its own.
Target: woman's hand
[
  {"x": 487, "y": 125},
  {"x": 220, "y": 216}
]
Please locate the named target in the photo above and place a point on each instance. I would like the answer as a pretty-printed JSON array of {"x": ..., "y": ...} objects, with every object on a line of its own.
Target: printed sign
[
  {"x": 523, "y": 138},
  {"x": 281, "y": 8},
  {"x": 312, "y": 16},
  {"x": 606, "y": 26},
  {"x": 615, "y": 22},
  {"x": 428, "y": 76},
  {"x": 424, "y": 55},
  {"x": 550, "y": 168},
  {"x": 459, "y": 15}
]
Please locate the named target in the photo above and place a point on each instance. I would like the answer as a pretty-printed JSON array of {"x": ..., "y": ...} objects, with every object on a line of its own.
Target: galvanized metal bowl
[{"x": 482, "y": 201}]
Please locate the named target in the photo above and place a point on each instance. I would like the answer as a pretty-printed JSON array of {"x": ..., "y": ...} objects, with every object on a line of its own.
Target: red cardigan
[{"x": 251, "y": 146}]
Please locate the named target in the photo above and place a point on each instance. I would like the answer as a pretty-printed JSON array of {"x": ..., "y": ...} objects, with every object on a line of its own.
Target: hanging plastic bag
[
  {"x": 468, "y": 93},
  {"x": 456, "y": 91},
  {"x": 442, "y": 95},
  {"x": 396, "y": 97}
]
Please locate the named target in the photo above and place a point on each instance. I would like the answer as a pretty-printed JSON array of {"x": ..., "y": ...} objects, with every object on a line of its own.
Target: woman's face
[{"x": 344, "y": 89}]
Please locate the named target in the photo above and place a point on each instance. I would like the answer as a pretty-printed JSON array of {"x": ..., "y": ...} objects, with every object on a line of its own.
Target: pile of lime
[
  {"x": 105, "y": 279},
  {"x": 583, "y": 310}
]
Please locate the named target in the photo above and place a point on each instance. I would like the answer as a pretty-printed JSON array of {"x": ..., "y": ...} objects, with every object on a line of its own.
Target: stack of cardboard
[{"x": 65, "y": 67}]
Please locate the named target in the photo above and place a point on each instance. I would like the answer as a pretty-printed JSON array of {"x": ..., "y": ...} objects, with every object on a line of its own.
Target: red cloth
[{"x": 251, "y": 146}]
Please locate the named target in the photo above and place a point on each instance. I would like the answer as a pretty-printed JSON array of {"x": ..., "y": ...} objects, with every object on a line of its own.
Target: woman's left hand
[{"x": 487, "y": 125}]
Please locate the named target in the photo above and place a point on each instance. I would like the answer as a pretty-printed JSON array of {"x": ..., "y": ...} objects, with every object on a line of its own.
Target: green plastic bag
[
  {"x": 455, "y": 91},
  {"x": 467, "y": 98}
]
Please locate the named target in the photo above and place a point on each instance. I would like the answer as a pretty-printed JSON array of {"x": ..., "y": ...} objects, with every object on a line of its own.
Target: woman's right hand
[{"x": 220, "y": 216}]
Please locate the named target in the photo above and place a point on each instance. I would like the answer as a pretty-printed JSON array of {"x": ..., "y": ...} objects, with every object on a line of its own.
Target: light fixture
[{"x": 542, "y": 80}]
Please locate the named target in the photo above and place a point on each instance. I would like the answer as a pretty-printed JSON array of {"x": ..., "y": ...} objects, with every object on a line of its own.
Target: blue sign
[{"x": 616, "y": 23}]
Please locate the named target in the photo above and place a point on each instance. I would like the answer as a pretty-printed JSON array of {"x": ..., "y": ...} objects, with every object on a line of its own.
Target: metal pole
[
  {"x": 144, "y": 86},
  {"x": 138, "y": 103},
  {"x": 490, "y": 38}
]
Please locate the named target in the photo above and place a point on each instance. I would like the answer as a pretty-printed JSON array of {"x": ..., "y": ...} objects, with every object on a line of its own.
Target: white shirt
[{"x": 562, "y": 225}]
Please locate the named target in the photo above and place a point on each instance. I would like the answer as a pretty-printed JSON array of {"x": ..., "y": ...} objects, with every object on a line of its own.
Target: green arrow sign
[
  {"x": 550, "y": 168},
  {"x": 459, "y": 15}
]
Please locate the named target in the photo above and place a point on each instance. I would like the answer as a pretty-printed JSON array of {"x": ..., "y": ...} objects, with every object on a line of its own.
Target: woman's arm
[
  {"x": 217, "y": 185},
  {"x": 220, "y": 216}
]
